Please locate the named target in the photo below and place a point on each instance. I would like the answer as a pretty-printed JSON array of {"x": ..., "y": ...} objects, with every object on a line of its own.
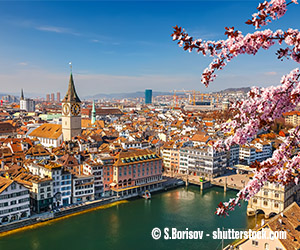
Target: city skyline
[{"x": 125, "y": 47}]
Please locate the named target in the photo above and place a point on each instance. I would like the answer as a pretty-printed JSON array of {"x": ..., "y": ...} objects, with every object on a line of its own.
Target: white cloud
[
  {"x": 271, "y": 73},
  {"x": 23, "y": 63},
  {"x": 56, "y": 29}
]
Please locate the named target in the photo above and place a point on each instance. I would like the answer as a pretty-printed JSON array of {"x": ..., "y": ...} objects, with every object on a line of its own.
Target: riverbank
[
  {"x": 53, "y": 220},
  {"x": 35, "y": 222}
]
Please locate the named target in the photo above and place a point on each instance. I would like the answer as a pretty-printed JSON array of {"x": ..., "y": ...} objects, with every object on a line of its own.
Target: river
[{"x": 129, "y": 225}]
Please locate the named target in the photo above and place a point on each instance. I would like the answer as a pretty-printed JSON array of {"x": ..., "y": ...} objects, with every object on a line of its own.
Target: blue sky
[{"x": 125, "y": 46}]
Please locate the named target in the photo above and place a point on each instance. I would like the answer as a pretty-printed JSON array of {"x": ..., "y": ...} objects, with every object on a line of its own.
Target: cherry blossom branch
[
  {"x": 264, "y": 105},
  {"x": 259, "y": 111},
  {"x": 236, "y": 44},
  {"x": 268, "y": 11},
  {"x": 281, "y": 168}
]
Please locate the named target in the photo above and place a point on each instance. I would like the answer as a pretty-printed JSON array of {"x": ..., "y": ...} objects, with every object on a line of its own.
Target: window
[
  {"x": 255, "y": 201},
  {"x": 13, "y": 186},
  {"x": 276, "y": 205},
  {"x": 276, "y": 195},
  {"x": 254, "y": 243},
  {"x": 267, "y": 246},
  {"x": 265, "y": 203}
]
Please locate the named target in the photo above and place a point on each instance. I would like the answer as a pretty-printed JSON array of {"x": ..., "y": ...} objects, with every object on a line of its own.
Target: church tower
[
  {"x": 93, "y": 118},
  {"x": 71, "y": 113}
]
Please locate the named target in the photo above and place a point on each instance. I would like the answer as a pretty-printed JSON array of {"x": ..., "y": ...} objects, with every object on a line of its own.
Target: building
[
  {"x": 9, "y": 98},
  {"x": 37, "y": 152},
  {"x": 225, "y": 104},
  {"x": 148, "y": 96},
  {"x": 58, "y": 96},
  {"x": 203, "y": 161},
  {"x": 71, "y": 113},
  {"x": 62, "y": 179},
  {"x": 102, "y": 113},
  {"x": 108, "y": 169},
  {"x": 273, "y": 198},
  {"x": 49, "y": 135},
  {"x": 52, "y": 97},
  {"x": 48, "y": 98},
  {"x": 26, "y": 104},
  {"x": 135, "y": 144},
  {"x": 7, "y": 129},
  {"x": 284, "y": 225},
  {"x": 41, "y": 191},
  {"x": 200, "y": 138},
  {"x": 292, "y": 118},
  {"x": 200, "y": 106},
  {"x": 136, "y": 171},
  {"x": 14, "y": 201},
  {"x": 257, "y": 150},
  {"x": 171, "y": 158},
  {"x": 234, "y": 155},
  {"x": 83, "y": 187},
  {"x": 95, "y": 168}
]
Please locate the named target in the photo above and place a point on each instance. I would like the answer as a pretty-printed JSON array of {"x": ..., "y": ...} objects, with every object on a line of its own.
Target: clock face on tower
[
  {"x": 75, "y": 109},
  {"x": 66, "y": 109}
]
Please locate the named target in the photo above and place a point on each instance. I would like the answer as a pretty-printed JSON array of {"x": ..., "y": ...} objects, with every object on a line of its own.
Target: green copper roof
[{"x": 71, "y": 95}]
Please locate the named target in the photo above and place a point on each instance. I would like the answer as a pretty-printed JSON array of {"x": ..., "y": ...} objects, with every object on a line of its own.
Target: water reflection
[
  {"x": 113, "y": 226},
  {"x": 35, "y": 244}
]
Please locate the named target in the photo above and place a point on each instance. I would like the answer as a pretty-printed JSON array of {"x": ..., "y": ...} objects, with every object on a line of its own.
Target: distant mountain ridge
[
  {"x": 242, "y": 89},
  {"x": 141, "y": 94},
  {"x": 138, "y": 94}
]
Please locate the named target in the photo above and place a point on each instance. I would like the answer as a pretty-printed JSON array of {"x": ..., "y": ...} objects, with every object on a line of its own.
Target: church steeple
[
  {"x": 93, "y": 118},
  {"x": 22, "y": 95},
  {"x": 71, "y": 112},
  {"x": 71, "y": 95}
]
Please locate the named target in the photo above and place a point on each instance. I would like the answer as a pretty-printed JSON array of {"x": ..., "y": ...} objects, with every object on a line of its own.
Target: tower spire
[
  {"x": 22, "y": 95},
  {"x": 71, "y": 95},
  {"x": 93, "y": 118}
]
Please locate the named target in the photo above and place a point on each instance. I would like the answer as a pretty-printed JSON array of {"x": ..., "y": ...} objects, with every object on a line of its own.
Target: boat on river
[{"x": 146, "y": 195}]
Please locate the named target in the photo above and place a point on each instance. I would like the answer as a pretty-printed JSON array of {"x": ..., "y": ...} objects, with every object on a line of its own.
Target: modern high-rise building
[
  {"x": 148, "y": 96},
  {"x": 48, "y": 98},
  {"x": 58, "y": 96},
  {"x": 71, "y": 113},
  {"x": 52, "y": 97}
]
